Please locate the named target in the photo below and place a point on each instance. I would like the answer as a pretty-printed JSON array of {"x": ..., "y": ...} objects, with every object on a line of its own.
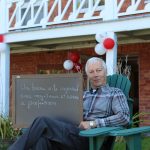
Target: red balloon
[
  {"x": 1, "y": 38},
  {"x": 77, "y": 67},
  {"x": 108, "y": 43},
  {"x": 74, "y": 57}
]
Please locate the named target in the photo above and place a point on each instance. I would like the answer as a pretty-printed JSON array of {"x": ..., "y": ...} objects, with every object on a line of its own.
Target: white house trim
[
  {"x": 129, "y": 24},
  {"x": 4, "y": 81},
  {"x": 111, "y": 56},
  {"x": 3, "y": 18}
]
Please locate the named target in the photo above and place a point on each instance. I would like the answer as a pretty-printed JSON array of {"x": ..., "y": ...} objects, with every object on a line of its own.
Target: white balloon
[
  {"x": 100, "y": 36},
  {"x": 99, "y": 49},
  {"x": 3, "y": 47},
  {"x": 68, "y": 64}
]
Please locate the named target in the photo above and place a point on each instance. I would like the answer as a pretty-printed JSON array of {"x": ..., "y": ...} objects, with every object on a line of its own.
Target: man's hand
[{"x": 84, "y": 125}]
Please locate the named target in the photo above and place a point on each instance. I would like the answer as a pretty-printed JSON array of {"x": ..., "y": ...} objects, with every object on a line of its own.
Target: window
[
  {"x": 35, "y": 9},
  {"x": 86, "y": 3}
]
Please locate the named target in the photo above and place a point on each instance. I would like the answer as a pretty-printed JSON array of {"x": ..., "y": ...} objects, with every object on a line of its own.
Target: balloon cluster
[
  {"x": 73, "y": 62},
  {"x": 3, "y": 46},
  {"x": 104, "y": 43}
]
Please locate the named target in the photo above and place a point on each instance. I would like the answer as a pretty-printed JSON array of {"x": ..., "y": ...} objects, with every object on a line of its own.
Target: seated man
[{"x": 103, "y": 106}]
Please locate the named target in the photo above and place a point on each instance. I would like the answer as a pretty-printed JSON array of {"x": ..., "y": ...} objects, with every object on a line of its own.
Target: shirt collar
[
  {"x": 99, "y": 89},
  {"x": 93, "y": 91}
]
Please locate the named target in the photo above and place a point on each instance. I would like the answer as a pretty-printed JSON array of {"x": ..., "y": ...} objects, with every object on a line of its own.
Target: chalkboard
[{"x": 56, "y": 95}]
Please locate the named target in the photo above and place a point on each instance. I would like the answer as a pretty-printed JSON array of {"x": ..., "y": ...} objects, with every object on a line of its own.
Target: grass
[
  {"x": 145, "y": 144},
  {"x": 117, "y": 146}
]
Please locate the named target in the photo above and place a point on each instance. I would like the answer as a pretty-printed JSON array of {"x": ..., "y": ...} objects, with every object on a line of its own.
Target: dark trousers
[
  {"x": 108, "y": 143},
  {"x": 51, "y": 134}
]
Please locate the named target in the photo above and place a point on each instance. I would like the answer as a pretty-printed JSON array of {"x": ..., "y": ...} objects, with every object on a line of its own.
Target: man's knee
[
  {"x": 41, "y": 144},
  {"x": 41, "y": 119}
]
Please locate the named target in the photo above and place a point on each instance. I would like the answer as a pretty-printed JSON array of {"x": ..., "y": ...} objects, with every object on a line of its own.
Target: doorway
[{"x": 133, "y": 63}]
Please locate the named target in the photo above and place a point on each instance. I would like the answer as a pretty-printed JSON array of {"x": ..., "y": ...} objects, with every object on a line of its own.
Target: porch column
[
  {"x": 4, "y": 61},
  {"x": 110, "y": 11},
  {"x": 111, "y": 56},
  {"x": 4, "y": 80},
  {"x": 3, "y": 16}
]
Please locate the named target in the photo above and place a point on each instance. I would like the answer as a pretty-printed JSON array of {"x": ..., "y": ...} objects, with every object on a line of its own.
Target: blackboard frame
[{"x": 77, "y": 76}]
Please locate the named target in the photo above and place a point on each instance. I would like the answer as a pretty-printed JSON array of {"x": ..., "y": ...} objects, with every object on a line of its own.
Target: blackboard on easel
[{"x": 56, "y": 95}]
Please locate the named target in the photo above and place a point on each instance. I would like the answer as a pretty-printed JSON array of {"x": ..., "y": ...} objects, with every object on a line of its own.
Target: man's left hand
[{"x": 84, "y": 125}]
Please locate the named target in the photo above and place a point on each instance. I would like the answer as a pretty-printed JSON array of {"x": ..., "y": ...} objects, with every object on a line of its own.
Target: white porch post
[
  {"x": 110, "y": 11},
  {"x": 4, "y": 61},
  {"x": 111, "y": 56},
  {"x": 4, "y": 81},
  {"x": 3, "y": 16}
]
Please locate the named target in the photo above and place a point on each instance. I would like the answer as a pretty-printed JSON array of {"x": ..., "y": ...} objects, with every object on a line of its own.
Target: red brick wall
[
  {"x": 28, "y": 63},
  {"x": 143, "y": 52},
  {"x": 124, "y": 7}
]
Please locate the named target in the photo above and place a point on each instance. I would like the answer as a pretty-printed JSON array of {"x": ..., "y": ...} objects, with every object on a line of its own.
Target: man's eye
[
  {"x": 99, "y": 70},
  {"x": 91, "y": 72}
]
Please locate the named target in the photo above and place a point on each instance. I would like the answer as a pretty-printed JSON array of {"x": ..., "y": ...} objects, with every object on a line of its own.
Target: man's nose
[{"x": 95, "y": 73}]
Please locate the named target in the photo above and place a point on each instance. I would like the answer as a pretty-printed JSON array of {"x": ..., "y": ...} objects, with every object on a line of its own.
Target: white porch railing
[{"x": 42, "y": 13}]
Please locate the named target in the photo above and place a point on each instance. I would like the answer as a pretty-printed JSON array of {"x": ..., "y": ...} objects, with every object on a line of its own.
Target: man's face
[{"x": 96, "y": 74}]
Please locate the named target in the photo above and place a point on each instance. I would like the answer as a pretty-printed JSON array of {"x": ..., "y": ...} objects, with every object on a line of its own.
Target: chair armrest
[
  {"x": 23, "y": 130},
  {"x": 98, "y": 131},
  {"x": 132, "y": 131}
]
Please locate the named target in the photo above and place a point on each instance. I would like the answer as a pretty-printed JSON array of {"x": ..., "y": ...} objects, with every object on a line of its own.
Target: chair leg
[
  {"x": 96, "y": 142},
  {"x": 133, "y": 142}
]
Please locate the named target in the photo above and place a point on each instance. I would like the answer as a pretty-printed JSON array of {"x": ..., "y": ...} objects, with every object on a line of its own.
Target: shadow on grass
[{"x": 145, "y": 144}]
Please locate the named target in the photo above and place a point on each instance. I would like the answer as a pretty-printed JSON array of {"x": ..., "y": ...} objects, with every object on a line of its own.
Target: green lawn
[
  {"x": 145, "y": 144},
  {"x": 118, "y": 145}
]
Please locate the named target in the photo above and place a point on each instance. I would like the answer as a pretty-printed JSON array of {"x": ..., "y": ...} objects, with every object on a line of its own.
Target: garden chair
[{"x": 132, "y": 135}]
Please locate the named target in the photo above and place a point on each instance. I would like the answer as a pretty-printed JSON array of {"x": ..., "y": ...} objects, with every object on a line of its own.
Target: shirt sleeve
[{"x": 120, "y": 109}]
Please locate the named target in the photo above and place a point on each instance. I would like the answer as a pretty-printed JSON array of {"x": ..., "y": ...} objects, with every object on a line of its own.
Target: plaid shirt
[{"x": 107, "y": 106}]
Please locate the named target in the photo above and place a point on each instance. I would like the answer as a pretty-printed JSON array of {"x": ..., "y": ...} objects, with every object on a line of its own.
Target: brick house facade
[
  {"x": 124, "y": 22},
  {"x": 32, "y": 63}
]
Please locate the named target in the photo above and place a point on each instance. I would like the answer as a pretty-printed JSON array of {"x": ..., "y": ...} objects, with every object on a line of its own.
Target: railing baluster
[
  {"x": 110, "y": 10},
  {"x": 90, "y": 5},
  {"x": 132, "y": 2},
  {"x": 78, "y": 9},
  {"x": 38, "y": 12},
  {"x": 120, "y": 5},
  {"x": 52, "y": 9},
  {"x": 3, "y": 18},
  {"x": 74, "y": 6},
  {"x": 65, "y": 10},
  {"x": 137, "y": 3},
  {"x": 59, "y": 7},
  {"x": 32, "y": 14},
  {"x": 25, "y": 13}
]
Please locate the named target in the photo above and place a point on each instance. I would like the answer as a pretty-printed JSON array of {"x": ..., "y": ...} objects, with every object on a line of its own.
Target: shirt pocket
[{"x": 101, "y": 105}]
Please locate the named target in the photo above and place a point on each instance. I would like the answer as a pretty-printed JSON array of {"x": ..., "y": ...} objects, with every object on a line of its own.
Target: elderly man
[{"x": 103, "y": 106}]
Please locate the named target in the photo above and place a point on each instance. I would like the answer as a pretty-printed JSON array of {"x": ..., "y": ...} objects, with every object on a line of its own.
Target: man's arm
[
  {"x": 87, "y": 125},
  {"x": 120, "y": 109}
]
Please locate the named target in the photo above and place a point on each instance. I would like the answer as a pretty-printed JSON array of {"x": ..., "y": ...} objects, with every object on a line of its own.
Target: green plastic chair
[
  {"x": 123, "y": 83},
  {"x": 97, "y": 135},
  {"x": 132, "y": 136}
]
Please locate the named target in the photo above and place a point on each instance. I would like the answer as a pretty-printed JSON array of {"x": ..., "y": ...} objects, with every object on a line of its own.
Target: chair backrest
[{"x": 123, "y": 83}]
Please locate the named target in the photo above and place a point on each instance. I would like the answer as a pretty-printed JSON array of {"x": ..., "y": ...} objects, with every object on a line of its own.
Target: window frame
[{"x": 36, "y": 6}]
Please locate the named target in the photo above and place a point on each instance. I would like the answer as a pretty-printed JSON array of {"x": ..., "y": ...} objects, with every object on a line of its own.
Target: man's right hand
[{"x": 84, "y": 125}]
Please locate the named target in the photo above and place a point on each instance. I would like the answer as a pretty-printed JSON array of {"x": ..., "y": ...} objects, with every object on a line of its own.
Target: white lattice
[
  {"x": 43, "y": 13},
  {"x": 26, "y": 13},
  {"x": 133, "y": 7}
]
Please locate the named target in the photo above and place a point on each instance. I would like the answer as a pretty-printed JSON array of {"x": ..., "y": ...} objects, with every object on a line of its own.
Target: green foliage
[
  {"x": 136, "y": 118},
  {"x": 7, "y": 131},
  {"x": 122, "y": 145},
  {"x": 135, "y": 123}
]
